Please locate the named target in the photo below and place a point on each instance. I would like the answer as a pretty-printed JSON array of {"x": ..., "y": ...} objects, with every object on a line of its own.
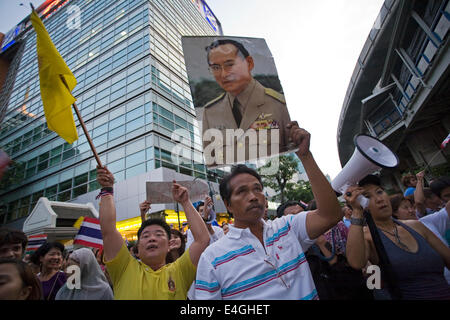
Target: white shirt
[
  {"x": 238, "y": 266},
  {"x": 439, "y": 223},
  {"x": 218, "y": 233}
]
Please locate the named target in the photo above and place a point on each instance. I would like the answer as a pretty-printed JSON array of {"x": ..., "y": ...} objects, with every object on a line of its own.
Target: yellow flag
[
  {"x": 56, "y": 96},
  {"x": 78, "y": 223}
]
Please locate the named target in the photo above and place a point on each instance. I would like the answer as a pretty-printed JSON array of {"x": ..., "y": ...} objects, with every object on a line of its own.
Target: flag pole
[{"x": 83, "y": 126}]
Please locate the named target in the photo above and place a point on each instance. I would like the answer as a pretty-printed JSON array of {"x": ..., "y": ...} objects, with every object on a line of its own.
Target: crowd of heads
[{"x": 23, "y": 276}]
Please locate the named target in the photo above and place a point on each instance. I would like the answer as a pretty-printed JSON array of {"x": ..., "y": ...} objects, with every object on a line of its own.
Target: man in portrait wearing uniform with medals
[{"x": 245, "y": 104}]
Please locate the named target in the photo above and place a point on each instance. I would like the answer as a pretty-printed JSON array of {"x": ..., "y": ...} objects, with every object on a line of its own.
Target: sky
[{"x": 315, "y": 45}]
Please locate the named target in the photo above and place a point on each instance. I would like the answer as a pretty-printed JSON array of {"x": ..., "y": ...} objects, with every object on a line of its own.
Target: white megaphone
[{"x": 369, "y": 156}]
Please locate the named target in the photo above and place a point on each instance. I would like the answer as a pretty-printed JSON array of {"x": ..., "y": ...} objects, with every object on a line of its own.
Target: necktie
[{"x": 237, "y": 112}]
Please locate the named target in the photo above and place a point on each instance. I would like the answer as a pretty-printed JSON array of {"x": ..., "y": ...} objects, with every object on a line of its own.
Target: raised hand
[
  {"x": 351, "y": 196},
  {"x": 144, "y": 206},
  {"x": 104, "y": 177},
  {"x": 179, "y": 193},
  {"x": 300, "y": 137}
]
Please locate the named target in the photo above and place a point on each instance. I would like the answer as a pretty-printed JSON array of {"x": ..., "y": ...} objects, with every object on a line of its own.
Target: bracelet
[
  {"x": 104, "y": 192},
  {"x": 107, "y": 189},
  {"x": 357, "y": 221}
]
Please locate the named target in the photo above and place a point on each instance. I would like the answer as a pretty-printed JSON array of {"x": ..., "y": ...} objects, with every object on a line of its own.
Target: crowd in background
[{"x": 422, "y": 211}]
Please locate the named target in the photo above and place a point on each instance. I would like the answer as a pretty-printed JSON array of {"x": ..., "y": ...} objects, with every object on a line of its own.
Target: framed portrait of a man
[{"x": 238, "y": 99}]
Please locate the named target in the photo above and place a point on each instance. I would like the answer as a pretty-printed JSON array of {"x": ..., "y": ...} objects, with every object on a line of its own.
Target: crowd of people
[{"x": 320, "y": 250}]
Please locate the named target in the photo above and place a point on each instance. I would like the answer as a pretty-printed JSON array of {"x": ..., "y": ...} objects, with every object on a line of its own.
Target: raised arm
[
  {"x": 419, "y": 196},
  {"x": 197, "y": 226},
  {"x": 328, "y": 211},
  {"x": 357, "y": 248},
  {"x": 112, "y": 239},
  {"x": 143, "y": 208}
]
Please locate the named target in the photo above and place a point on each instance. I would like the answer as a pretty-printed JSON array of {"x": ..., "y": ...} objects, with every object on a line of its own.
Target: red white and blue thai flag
[
  {"x": 445, "y": 142},
  {"x": 89, "y": 234},
  {"x": 34, "y": 242}
]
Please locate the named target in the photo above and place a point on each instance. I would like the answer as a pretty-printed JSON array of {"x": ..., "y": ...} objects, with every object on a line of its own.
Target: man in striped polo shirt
[{"x": 265, "y": 259}]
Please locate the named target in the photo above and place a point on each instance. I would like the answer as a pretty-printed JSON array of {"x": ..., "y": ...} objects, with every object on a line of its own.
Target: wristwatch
[{"x": 358, "y": 221}]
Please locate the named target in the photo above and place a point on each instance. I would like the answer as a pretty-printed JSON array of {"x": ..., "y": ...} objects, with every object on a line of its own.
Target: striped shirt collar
[{"x": 236, "y": 233}]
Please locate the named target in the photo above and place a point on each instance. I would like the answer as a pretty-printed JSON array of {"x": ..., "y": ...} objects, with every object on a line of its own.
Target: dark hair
[
  {"x": 181, "y": 249},
  {"x": 152, "y": 221},
  {"x": 396, "y": 200},
  {"x": 290, "y": 203},
  {"x": 10, "y": 236},
  {"x": 199, "y": 204},
  {"x": 44, "y": 249},
  {"x": 221, "y": 42},
  {"x": 224, "y": 187},
  {"x": 27, "y": 276},
  {"x": 370, "y": 179},
  {"x": 312, "y": 205},
  {"x": 406, "y": 179},
  {"x": 428, "y": 193},
  {"x": 440, "y": 184}
]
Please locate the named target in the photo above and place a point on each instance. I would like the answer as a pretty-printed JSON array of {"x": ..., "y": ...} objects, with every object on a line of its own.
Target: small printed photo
[{"x": 238, "y": 99}]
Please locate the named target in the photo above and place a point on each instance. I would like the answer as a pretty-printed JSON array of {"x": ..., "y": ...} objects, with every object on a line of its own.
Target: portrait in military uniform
[{"x": 238, "y": 99}]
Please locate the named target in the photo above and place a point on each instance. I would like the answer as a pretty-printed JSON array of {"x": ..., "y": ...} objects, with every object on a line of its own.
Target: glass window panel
[
  {"x": 138, "y": 112},
  {"x": 134, "y": 171},
  {"x": 117, "y": 122},
  {"x": 68, "y": 154},
  {"x": 55, "y": 160},
  {"x": 65, "y": 185},
  {"x": 43, "y": 166},
  {"x": 135, "y": 124},
  {"x": 169, "y": 165},
  {"x": 56, "y": 151},
  {"x": 80, "y": 190},
  {"x": 94, "y": 185},
  {"x": 98, "y": 141},
  {"x": 65, "y": 196},
  {"x": 117, "y": 166},
  {"x": 100, "y": 130},
  {"x": 134, "y": 159},
  {"x": 81, "y": 179},
  {"x": 166, "y": 155},
  {"x": 117, "y": 132},
  {"x": 51, "y": 191},
  {"x": 92, "y": 174},
  {"x": 30, "y": 172}
]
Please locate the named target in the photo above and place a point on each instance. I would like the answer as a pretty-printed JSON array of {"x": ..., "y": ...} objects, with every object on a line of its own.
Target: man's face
[
  {"x": 233, "y": 72},
  {"x": 433, "y": 202},
  {"x": 445, "y": 194},
  {"x": 247, "y": 201},
  {"x": 153, "y": 244},
  {"x": 11, "y": 250}
]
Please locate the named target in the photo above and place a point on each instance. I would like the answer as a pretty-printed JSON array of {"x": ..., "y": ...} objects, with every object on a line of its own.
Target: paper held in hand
[{"x": 161, "y": 192}]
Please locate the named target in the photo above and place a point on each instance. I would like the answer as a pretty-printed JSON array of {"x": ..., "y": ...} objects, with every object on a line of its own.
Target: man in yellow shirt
[{"x": 150, "y": 278}]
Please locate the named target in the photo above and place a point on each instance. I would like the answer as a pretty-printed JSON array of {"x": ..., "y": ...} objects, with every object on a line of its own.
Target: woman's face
[
  {"x": 52, "y": 260},
  {"x": 175, "y": 241},
  {"x": 379, "y": 203},
  {"x": 406, "y": 211},
  {"x": 11, "y": 284}
]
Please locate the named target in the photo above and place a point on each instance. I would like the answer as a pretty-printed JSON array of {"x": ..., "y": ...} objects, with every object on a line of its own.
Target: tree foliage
[{"x": 278, "y": 181}]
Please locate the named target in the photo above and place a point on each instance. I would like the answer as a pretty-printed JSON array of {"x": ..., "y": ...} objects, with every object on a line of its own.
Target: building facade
[
  {"x": 132, "y": 93},
  {"x": 400, "y": 90}
]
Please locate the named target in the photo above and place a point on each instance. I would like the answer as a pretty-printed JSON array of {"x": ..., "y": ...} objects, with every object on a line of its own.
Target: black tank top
[{"x": 419, "y": 275}]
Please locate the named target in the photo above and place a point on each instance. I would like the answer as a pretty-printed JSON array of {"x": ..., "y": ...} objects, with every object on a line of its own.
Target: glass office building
[{"x": 132, "y": 93}]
